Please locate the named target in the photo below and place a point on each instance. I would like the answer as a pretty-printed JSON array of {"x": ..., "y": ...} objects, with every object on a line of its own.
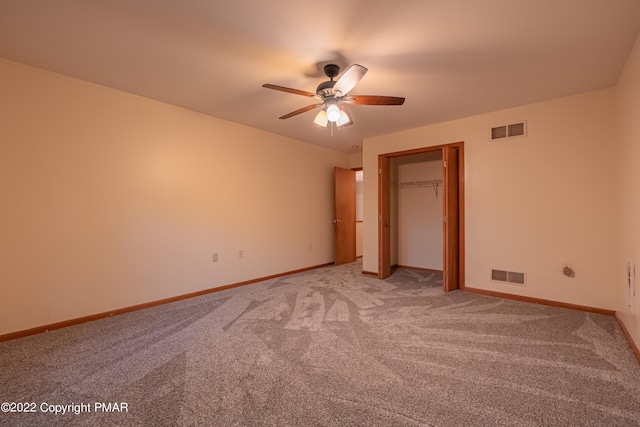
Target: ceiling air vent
[
  {"x": 511, "y": 277},
  {"x": 509, "y": 131}
]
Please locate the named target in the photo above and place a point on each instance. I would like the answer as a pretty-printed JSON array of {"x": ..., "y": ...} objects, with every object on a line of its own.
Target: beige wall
[
  {"x": 111, "y": 200},
  {"x": 628, "y": 188},
  {"x": 355, "y": 160},
  {"x": 532, "y": 203}
]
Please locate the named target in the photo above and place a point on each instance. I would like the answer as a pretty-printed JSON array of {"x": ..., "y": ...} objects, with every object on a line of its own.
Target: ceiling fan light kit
[
  {"x": 321, "y": 118},
  {"x": 333, "y": 112},
  {"x": 334, "y": 94},
  {"x": 344, "y": 119}
]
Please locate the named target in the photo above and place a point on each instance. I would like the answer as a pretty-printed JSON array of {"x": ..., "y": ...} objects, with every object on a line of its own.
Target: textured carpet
[{"x": 329, "y": 347}]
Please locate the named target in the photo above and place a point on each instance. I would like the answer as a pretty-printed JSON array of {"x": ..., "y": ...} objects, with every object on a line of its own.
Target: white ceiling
[{"x": 448, "y": 58}]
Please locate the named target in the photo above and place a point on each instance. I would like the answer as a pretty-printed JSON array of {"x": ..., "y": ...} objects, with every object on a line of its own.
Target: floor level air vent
[
  {"x": 511, "y": 277},
  {"x": 509, "y": 131}
]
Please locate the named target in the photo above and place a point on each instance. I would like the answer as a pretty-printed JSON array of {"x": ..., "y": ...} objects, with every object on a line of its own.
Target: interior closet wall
[{"x": 416, "y": 198}]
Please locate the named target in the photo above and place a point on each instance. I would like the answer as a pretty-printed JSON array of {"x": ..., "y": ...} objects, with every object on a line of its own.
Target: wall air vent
[
  {"x": 511, "y": 277},
  {"x": 509, "y": 131}
]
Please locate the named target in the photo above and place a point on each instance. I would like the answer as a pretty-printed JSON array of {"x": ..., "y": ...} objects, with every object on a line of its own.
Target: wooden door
[
  {"x": 384, "y": 217},
  {"x": 344, "y": 220},
  {"x": 450, "y": 218}
]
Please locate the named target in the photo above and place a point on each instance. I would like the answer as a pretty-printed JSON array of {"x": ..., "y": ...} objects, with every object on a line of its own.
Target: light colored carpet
[{"x": 331, "y": 347}]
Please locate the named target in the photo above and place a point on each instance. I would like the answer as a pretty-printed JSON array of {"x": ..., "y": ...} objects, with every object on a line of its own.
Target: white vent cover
[
  {"x": 509, "y": 131},
  {"x": 511, "y": 277}
]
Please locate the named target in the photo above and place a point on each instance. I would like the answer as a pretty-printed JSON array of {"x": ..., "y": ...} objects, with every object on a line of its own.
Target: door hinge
[
  {"x": 445, "y": 219},
  {"x": 379, "y": 171},
  {"x": 444, "y": 162}
]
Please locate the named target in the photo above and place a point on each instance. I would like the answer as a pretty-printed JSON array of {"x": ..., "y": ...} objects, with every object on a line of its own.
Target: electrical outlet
[
  {"x": 240, "y": 253},
  {"x": 214, "y": 258}
]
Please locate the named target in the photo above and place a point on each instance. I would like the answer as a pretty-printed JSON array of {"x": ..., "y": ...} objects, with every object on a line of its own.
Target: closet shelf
[{"x": 433, "y": 183}]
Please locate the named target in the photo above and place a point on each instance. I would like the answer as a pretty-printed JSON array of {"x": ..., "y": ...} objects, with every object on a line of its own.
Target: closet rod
[
  {"x": 434, "y": 183},
  {"x": 429, "y": 183}
]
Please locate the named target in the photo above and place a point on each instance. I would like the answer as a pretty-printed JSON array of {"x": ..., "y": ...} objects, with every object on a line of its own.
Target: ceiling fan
[{"x": 334, "y": 94}]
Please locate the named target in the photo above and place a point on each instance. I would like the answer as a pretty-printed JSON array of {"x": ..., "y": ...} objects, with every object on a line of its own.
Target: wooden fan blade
[
  {"x": 376, "y": 100},
  {"x": 301, "y": 110},
  {"x": 288, "y": 89},
  {"x": 349, "y": 79}
]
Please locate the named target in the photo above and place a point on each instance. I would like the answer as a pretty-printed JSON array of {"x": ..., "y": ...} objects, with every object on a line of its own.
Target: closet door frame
[{"x": 453, "y": 255}]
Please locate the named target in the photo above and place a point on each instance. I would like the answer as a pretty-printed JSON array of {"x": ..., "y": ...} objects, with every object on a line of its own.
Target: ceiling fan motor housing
[{"x": 325, "y": 88}]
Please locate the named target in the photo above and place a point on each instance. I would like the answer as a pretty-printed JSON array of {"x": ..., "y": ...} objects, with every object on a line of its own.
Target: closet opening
[{"x": 421, "y": 212}]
